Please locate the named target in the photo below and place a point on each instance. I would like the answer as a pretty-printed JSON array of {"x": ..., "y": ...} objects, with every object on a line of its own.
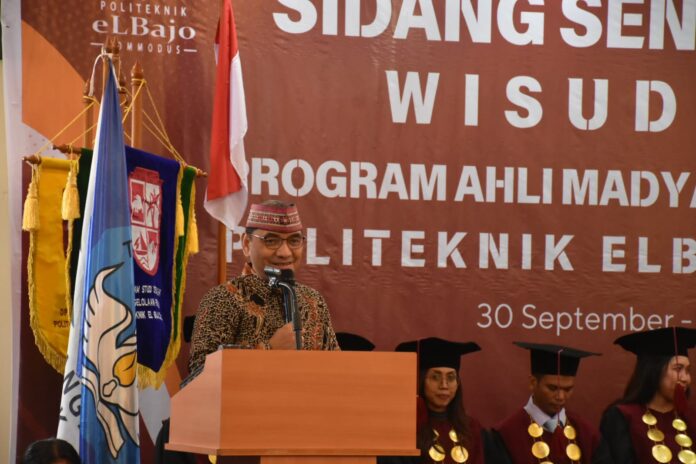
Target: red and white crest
[{"x": 145, "y": 188}]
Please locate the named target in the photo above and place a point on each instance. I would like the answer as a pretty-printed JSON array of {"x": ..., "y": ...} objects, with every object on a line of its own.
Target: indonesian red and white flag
[{"x": 226, "y": 195}]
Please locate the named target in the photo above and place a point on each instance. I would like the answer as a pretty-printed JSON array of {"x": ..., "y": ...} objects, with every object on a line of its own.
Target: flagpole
[
  {"x": 88, "y": 140},
  {"x": 222, "y": 253},
  {"x": 107, "y": 47},
  {"x": 137, "y": 78},
  {"x": 222, "y": 230}
]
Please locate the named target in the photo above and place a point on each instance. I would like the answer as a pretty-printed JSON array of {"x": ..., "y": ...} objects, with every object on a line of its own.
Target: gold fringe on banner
[{"x": 148, "y": 378}]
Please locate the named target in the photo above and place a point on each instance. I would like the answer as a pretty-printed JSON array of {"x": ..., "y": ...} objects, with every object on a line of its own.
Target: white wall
[
  {"x": 6, "y": 333},
  {"x": 10, "y": 224}
]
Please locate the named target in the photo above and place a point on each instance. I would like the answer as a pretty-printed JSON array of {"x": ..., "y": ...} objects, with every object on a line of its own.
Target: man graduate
[{"x": 543, "y": 431}]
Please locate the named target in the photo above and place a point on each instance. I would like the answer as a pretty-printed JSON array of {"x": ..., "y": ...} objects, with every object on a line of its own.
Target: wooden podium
[{"x": 282, "y": 407}]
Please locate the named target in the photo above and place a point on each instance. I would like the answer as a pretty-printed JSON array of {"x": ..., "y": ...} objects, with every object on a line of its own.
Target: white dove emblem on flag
[{"x": 110, "y": 373}]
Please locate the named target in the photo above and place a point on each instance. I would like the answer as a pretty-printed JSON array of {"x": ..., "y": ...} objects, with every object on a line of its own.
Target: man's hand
[{"x": 283, "y": 339}]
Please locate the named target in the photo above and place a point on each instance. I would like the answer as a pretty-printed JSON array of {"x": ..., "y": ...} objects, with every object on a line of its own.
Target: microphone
[
  {"x": 271, "y": 272},
  {"x": 288, "y": 276},
  {"x": 285, "y": 280},
  {"x": 282, "y": 275}
]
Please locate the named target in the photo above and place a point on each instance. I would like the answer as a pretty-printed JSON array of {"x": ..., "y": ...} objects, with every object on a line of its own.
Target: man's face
[
  {"x": 550, "y": 392},
  {"x": 439, "y": 387},
  {"x": 261, "y": 255},
  {"x": 676, "y": 372}
]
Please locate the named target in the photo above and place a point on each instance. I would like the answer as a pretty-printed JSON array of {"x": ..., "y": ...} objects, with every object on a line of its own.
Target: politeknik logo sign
[{"x": 144, "y": 27}]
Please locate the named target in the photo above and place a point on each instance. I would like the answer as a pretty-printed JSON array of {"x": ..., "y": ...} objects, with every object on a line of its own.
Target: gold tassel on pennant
[
  {"x": 30, "y": 218},
  {"x": 179, "y": 224},
  {"x": 193, "y": 227},
  {"x": 70, "y": 209},
  {"x": 179, "y": 218}
]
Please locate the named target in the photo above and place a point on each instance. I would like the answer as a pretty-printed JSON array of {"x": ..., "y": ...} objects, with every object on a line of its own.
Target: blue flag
[{"x": 107, "y": 355}]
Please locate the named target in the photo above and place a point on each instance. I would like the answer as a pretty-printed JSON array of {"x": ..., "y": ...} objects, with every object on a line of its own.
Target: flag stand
[
  {"x": 134, "y": 109},
  {"x": 222, "y": 253}
]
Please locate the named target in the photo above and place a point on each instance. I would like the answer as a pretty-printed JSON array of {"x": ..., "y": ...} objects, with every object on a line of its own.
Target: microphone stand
[
  {"x": 286, "y": 283},
  {"x": 290, "y": 304}
]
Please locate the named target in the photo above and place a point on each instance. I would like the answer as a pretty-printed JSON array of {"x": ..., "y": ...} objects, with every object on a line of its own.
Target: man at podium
[{"x": 246, "y": 311}]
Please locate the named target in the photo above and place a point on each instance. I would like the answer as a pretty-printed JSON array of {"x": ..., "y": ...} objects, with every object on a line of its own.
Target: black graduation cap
[
  {"x": 668, "y": 341},
  {"x": 188, "y": 328},
  {"x": 436, "y": 352},
  {"x": 352, "y": 342},
  {"x": 554, "y": 359}
]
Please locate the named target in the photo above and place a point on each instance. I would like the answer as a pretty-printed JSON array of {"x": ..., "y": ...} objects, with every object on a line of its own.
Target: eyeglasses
[
  {"x": 436, "y": 377},
  {"x": 273, "y": 242}
]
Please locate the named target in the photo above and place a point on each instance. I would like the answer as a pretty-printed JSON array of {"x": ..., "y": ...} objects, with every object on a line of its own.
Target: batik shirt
[{"x": 245, "y": 311}]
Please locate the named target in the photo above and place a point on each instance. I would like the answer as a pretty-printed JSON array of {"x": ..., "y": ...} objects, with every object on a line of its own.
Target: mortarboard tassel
[{"x": 681, "y": 402}]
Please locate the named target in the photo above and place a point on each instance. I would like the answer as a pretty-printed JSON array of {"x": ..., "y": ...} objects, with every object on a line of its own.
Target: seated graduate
[
  {"x": 543, "y": 431},
  {"x": 353, "y": 342},
  {"x": 444, "y": 432},
  {"x": 652, "y": 423}
]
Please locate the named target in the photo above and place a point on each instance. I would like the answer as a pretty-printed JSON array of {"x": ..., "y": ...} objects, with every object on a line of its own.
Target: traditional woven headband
[{"x": 275, "y": 218}]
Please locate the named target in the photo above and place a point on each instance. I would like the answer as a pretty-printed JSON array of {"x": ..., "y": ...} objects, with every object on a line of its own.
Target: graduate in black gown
[
  {"x": 445, "y": 433},
  {"x": 543, "y": 430},
  {"x": 652, "y": 422},
  {"x": 353, "y": 342}
]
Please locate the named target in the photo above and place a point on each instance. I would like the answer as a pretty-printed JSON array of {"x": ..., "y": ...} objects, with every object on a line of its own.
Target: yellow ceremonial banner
[{"x": 49, "y": 317}]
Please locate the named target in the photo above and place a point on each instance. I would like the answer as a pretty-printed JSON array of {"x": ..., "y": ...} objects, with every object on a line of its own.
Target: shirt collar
[
  {"x": 540, "y": 417},
  {"x": 248, "y": 270}
]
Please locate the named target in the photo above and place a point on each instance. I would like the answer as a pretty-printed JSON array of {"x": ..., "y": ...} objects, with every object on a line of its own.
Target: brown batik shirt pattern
[{"x": 245, "y": 311}]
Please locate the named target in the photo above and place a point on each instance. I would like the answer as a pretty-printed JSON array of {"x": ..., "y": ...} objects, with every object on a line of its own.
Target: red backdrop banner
[{"x": 492, "y": 170}]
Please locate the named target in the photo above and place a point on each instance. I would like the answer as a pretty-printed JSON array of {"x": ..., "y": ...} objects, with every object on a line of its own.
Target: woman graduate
[
  {"x": 652, "y": 423},
  {"x": 444, "y": 432}
]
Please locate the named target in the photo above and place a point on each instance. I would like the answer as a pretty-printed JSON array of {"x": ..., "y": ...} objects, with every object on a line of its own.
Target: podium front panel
[{"x": 307, "y": 402}]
